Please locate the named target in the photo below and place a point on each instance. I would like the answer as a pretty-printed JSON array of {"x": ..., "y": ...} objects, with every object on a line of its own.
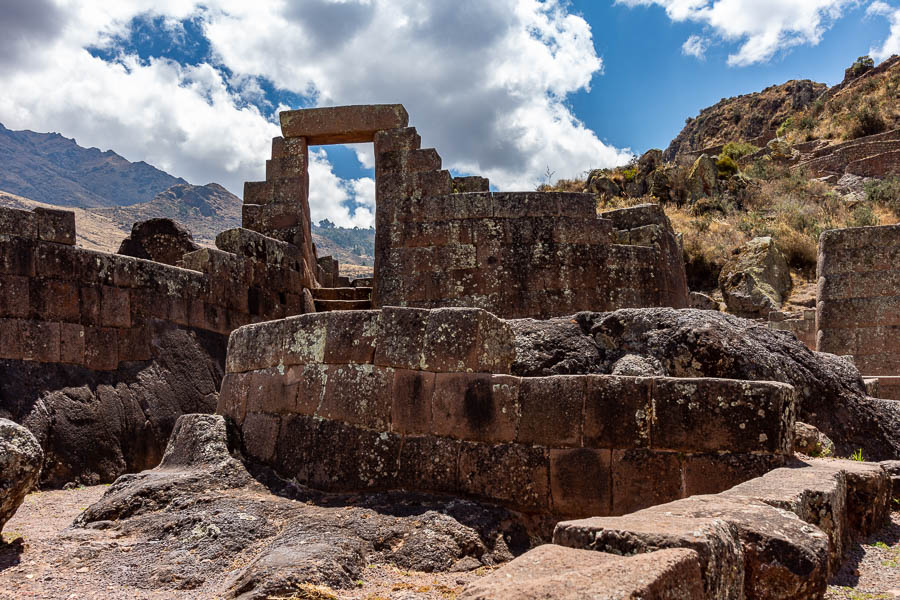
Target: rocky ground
[{"x": 872, "y": 568}]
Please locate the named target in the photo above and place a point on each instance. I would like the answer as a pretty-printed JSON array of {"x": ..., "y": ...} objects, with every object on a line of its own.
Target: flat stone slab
[
  {"x": 342, "y": 124},
  {"x": 551, "y": 571}
]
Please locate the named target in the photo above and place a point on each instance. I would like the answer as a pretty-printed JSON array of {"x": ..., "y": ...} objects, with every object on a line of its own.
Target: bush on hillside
[
  {"x": 867, "y": 120},
  {"x": 726, "y": 167},
  {"x": 861, "y": 65},
  {"x": 737, "y": 150},
  {"x": 885, "y": 193}
]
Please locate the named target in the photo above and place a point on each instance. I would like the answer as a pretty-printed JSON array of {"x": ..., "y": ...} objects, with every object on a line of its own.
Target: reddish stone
[
  {"x": 13, "y": 296},
  {"x": 342, "y": 124},
  {"x": 401, "y": 338},
  {"x": 233, "y": 396},
  {"x": 260, "y": 434},
  {"x": 551, "y": 410},
  {"x": 71, "y": 343},
  {"x": 305, "y": 387},
  {"x": 476, "y": 407},
  {"x": 513, "y": 474},
  {"x": 412, "y": 402},
  {"x": 100, "y": 348},
  {"x": 133, "y": 344},
  {"x": 55, "y": 225},
  {"x": 581, "y": 482},
  {"x": 40, "y": 341},
  {"x": 617, "y": 412},
  {"x": 713, "y": 473},
  {"x": 17, "y": 257},
  {"x": 55, "y": 300},
  {"x": 90, "y": 305},
  {"x": 11, "y": 345},
  {"x": 429, "y": 464},
  {"x": 642, "y": 478},
  {"x": 115, "y": 307},
  {"x": 55, "y": 261},
  {"x": 359, "y": 395},
  {"x": 350, "y": 336}
]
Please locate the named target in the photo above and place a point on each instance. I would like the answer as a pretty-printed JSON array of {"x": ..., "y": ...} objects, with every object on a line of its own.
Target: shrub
[
  {"x": 737, "y": 150},
  {"x": 785, "y": 127},
  {"x": 726, "y": 167},
  {"x": 885, "y": 193},
  {"x": 867, "y": 121},
  {"x": 861, "y": 65},
  {"x": 629, "y": 173},
  {"x": 862, "y": 216}
]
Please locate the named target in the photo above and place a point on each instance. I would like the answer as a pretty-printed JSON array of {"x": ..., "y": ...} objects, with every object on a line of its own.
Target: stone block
[
  {"x": 17, "y": 256},
  {"x": 350, "y": 336},
  {"x": 115, "y": 307},
  {"x": 359, "y": 395},
  {"x": 260, "y": 434},
  {"x": 465, "y": 185},
  {"x": 467, "y": 339},
  {"x": 405, "y": 139},
  {"x": 429, "y": 463},
  {"x": 233, "y": 397},
  {"x": 581, "y": 482},
  {"x": 17, "y": 222},
  {"x": 40, "y": 341},
  {"x": 513, "y": 474},
  {"x": 89, "y": 300},
  {"x": 342, "y": 124},
  {"x": 267, "y": 392},
  {"x": 476, "y": 407},
  {"x": 642, "y": 478},
  {"x": 54, "y": 300},
  {"x": 101, "y": 348},
  {"x": 258, "y": 192},
  {"x": 715, "y": 541},
  {"x": 550, "y": 571},
  {"x": 254, "y": 346},
  {"x": 71, "y": 343},
  {"x": 133, "y": 344},
  {"x": 412, "y": 402},
  {"x": 305, "y": 387},
  {"x": 552, "y": 410},
  {"x": 11, "y": 343},
  {"x": 716, "y": 472},
  {"x": 55, "y": 225},
  {"x": 297, "y": 447},
  {"x": 14, "y": 296},
  {"x": 708, "y": 415},
  {"x": 401, "y": 338},
  {"x": 617, "y": 412},
  {"x": 57, "y": 261}
]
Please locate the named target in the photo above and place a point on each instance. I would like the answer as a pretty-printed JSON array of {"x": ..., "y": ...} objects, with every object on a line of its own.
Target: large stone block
[
  {"x": 342, "y": 124},
  {"x": 55, "y": 225},
  {"x": 476, "y": 407},
  {"x": 711, "y": 414},
  {"x": 714, "y": 472},
  {"x": 429, "y": 463},
  {"x": 260, "y": 435},
  {"x": 581, "y": 482},
  {"x": 101, "y": 348},
  {"x": 401, "y": 338},
  {"x": 513, "y": 474},
  {"x": 359, "y": 395},
  {"x": 40, "y": 341},
  {"x": 642, "y": 478},
  {"x": 71, "y": 343},
  {"x": 551, "y": 571},
  {"x": 14, "y": 296},
  {"x": 617, "y": 412},
  {"x": 11, "y": 344},
  {"x": 350, "y": 336},
  {"x": 552, "y": 410},
  {"x": 411, "y": 411},
  {"x": 467, "y": 339}
]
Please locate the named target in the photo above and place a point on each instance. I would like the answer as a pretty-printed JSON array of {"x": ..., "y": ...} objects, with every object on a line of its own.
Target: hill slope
[{"x": 48, "y": 167}]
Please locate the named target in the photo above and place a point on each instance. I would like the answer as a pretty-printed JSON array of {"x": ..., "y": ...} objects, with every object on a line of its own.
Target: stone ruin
[{"x": 419, "y": 384}]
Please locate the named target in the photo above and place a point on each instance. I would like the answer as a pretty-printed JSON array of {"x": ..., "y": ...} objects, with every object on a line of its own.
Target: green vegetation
[
  {"x": 857, "y": 456},
  {"x": 867, "y": 120},
  {"x": 737, "y": 150},
  {"x": 884, "y": 193},
  {"x": 727, "y": 167},
  {"x": 861, "y": 65},
  {"x": 361, "y": 241}
]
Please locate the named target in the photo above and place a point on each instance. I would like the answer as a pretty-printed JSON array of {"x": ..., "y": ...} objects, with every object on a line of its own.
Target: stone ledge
[{"x": 342, "y": 124}]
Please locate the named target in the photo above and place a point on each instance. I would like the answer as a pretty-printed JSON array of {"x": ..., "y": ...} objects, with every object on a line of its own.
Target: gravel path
[{"x": 872, "y": 569}]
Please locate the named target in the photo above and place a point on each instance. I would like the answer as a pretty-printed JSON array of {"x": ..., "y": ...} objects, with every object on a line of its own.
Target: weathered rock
[
  {"x": 757, "y": 280},
  {"x": 810, "y": 441},
  {"x": 96, "y": 425},
  {"x": 780, "y": 150},
  {"x": 892, "y": 467},
  {"x": 551, "y": 571},
  {"x": 694, "y": 343},
  {"x": 20, "y": 467},
  {"x": 703, "y": 302},
  {"x": 637, "y": 366},
  {"x": 204, "y": 505},
  {"x": 649, "y": 161},
  {"x": 602, "y": 186},
  {"x": 703, "y": 178},
  {"x": 160, "y": 240}
]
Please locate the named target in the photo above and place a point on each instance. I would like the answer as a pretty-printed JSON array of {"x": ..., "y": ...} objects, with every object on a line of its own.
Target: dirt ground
[
  {"x": 42, "y": 559},
  {"x": 872, "y": 569}
]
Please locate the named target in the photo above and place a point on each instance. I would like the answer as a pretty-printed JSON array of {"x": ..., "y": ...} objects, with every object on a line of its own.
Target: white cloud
[
  {"x": 485, "y": 82},
  {"x": 695, "y": 46},
  {"x": 762, "y": 27},
  {"x": 891, "y": 45}
]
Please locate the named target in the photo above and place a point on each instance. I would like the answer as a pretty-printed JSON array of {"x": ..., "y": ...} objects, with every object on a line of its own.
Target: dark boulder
[
  {"x": 20, "y": 467},
  {"x": 160, "y": 240},
  {"x": 96, "y": 425},
  {"x": 699, "y": 343}
]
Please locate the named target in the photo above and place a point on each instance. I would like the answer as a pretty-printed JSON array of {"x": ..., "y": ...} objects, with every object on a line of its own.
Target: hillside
[{"x": 47, "y": 167}]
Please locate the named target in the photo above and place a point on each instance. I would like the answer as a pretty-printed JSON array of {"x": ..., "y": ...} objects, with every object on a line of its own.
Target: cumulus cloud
[
  {"x": 761, "y": 27},
  {"x": 891, "y": 45},
  {"x": 485, "y": 82},
  {"x": 695, "y": 46}
]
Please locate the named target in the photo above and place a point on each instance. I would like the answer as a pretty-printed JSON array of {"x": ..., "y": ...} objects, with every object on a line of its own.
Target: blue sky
[{"x": 503, "y": 88}]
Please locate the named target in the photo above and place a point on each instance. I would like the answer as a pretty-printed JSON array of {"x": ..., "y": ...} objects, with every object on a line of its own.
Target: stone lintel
[{"x": 342, "y": 124}]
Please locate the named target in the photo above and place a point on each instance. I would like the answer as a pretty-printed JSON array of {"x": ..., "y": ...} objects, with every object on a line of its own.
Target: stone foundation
[{"x": 417, "y": 399}]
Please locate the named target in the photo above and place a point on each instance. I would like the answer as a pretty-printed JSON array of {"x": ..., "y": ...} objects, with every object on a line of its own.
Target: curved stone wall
[{"x": 421, "y": 399}]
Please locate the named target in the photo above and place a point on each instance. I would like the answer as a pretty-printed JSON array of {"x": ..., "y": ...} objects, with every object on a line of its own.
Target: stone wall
[
  {"x": 858, "y": 310},
  {"x": 63, "y": 304},
  {"x": 528, "y": 254},
  {"x": 802, "y": 325},
  {"x": 423, "y": 400}
]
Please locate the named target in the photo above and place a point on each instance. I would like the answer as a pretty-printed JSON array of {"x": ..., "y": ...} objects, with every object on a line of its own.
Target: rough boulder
[
  {"x": 20, "y": 467},
  {"x": 756, "y": 280},
  {"x": 700, "y": 343},
  {"x": 160, "y": 240}
]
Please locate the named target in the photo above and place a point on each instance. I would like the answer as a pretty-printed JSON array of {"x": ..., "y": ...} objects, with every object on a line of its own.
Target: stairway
[{"x": 342, "y": 298}]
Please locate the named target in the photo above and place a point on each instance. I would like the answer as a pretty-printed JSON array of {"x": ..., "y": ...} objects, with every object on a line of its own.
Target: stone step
[
  {"x": 331, "y": 305},
  {"x": 342, "y": 293}
]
